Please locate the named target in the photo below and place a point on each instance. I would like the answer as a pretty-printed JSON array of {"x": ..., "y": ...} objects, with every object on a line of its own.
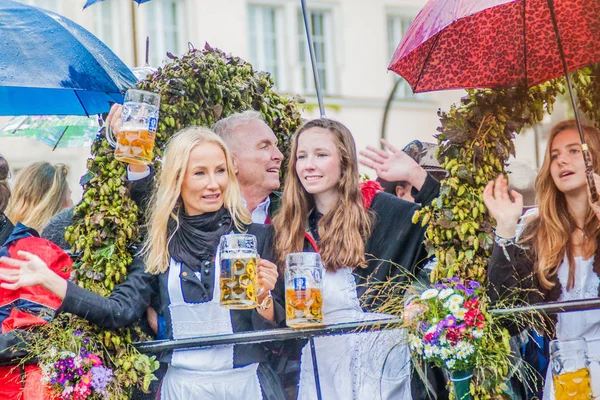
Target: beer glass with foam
[{"x": 134, "y": 142}]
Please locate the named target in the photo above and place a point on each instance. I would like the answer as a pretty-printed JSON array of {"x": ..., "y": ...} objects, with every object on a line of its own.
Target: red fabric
[
  {"x": 312, "y": 242},
  {"x": 12, "y": 388},
  {"x": 268, "y": 220},
  {"x": 56, "y": 259},
  {"x": 496, "y": 43},
  {"x": 369, "y": 190},
  {"x": 19, "y": 319}
]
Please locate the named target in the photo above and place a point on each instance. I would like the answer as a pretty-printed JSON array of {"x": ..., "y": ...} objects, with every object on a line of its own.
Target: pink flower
[
  {"x": 86, "y": 379},
  {"x": 95, "y": 359}
]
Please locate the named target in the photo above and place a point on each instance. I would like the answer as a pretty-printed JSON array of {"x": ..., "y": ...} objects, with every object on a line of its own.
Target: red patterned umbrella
[
  {"x": 496, "y": 43},
  {"x": 500, "y": 43}
]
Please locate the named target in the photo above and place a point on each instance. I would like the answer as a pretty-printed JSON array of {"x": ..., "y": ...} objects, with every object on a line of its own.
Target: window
[
  {"x": 105, "y": 29},
  {"x": 164, "y": 21},
  {"x": 397, "y": 25},
  {"x": 265, "y": 38},
  {"x": 322, "y": 40}
]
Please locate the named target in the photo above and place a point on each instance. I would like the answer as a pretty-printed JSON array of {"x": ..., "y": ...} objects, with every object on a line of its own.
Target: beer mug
[
  {"x": 239, "y": 278},
  {"x": 303, "y": 290},
  {"x": 570, "y": 369},
  {"x": 134, "y": 142}
]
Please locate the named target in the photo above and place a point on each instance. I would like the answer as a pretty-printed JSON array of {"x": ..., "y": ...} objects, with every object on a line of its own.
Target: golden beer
[
  {"x": 135, "y": 145},
  {"x": 303, "y": 307},
  {"x": 238, "y": 282},
  {"x": 573, "y": 385}
]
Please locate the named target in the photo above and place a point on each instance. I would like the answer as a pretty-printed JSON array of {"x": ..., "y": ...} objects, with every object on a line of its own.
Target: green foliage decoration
[
  {"x": 475, "y": 140},
  {"x": 198, "y": 88}
]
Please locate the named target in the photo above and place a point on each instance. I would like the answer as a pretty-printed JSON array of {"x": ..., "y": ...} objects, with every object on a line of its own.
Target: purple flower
[
  {"x": 101, "y": 377},
  {"x": 469, "y": 292},
  {"x": 80, "y": 371},
  {"x": 439, "y": 286},
  {"x": 85, "y": 341},
  {"x": 450, "y": 321},
  {"x": 460, "y": 286},
  {"x": 455, "y": 279},
  {"x": 474, "y": 284},
  {"x": 78, "y": 333}
]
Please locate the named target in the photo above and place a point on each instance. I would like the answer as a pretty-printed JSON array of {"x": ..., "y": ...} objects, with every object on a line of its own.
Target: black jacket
[{"x": 129, "y": 300}]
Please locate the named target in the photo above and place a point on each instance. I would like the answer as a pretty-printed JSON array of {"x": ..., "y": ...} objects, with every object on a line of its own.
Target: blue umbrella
[
  {"x": 51, "y": 66},
  {"x": 90, "y": 2}
]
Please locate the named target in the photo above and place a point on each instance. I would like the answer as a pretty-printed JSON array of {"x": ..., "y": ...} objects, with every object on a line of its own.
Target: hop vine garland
[
  {"x": 475, "y": 140},
  {"x": 198, "y": 88}
]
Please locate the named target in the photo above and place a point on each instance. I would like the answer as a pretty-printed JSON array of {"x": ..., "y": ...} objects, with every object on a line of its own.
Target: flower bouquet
[
  {"x": 79, "y": 374},
  {"x": 446, "y": 324}
]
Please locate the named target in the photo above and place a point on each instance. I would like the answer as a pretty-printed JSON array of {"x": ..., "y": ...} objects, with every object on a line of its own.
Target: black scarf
[{"x": 198, "y": 236}]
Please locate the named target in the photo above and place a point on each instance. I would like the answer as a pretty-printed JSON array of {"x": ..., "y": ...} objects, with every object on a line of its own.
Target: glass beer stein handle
[{"x": 110, "y": 137}]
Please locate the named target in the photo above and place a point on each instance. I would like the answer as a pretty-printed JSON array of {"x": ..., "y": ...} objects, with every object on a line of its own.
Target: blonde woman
[
  {"x": 358, "y": 231},
  {"x": 197, "y": 201},
  {"x": 553, "y": 253},
  {"x": 40, "y": 192}
]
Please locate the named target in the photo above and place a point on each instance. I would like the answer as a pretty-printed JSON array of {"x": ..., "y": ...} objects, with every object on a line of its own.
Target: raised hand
[
  {"x": 22, "y": 273},
  {"x": 30, "y": 271},
  {"x": 501, "y": 207},
  {"x": 393, "y": 165},
  {"x": 115, "y": 119}
]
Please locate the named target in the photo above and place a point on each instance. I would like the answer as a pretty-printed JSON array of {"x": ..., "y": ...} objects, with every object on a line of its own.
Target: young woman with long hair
[
  {"x": 197, "y": 201},
  {"x": 364, "y": 237},
  {"x": 552, "y": 253},
  {"x": 41, "y": 191}
]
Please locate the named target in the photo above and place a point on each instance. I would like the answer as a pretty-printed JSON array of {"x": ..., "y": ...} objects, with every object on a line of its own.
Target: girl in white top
[{"x": 556, "y": 255}]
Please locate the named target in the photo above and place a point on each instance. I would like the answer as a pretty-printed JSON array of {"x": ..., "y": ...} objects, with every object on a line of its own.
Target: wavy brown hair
[
  {"x": 549, "y": 232},
  {"x": 345, "y": 229}
]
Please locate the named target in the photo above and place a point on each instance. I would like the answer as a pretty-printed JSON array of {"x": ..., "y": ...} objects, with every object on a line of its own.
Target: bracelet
[{"x": 503, "y": 242}]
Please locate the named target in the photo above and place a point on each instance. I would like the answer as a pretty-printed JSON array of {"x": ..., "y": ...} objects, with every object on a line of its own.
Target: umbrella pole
[
  {"x": 59, "y": 138},
  {"x": 313, "y": 59},
  {"x": 589, "y": 169}
]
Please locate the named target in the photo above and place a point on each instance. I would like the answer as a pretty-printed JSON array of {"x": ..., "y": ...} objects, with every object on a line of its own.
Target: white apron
[
  {"x": 584, "y": 324},
  {"x": 358, "y": 366},
  {"x": 204, "y": 373}
]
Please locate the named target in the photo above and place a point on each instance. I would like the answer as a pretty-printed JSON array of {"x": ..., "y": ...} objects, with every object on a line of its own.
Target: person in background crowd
[
  {"x": 257, "y": 161},
  {"x": 40, "y": 192},
  {"x": 364, "y": 237},
  {"x": 551, "y": 253},
  {"x": 25, "y": 308},
  {"x": 424, "y": 155},
  {"x": 197, "y": 200}
]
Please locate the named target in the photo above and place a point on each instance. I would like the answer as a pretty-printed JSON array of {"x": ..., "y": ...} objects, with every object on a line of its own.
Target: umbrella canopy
[
  {"x": 51, "y": 66},
  {"x": 90, "y": 2},
  {"x": 70, "y": 131},
  {"x": 496, "y": 43}
]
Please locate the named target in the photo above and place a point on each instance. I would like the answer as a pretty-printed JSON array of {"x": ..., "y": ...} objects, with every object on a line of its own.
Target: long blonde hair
[
  {"x": 345, "y": 229},
  {"x": 40, "y": 192},
  {"x": 166, "y": 203},
  {"x": 549, "y": 232}
]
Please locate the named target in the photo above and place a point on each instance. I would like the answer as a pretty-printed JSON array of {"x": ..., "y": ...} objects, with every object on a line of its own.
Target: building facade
[{"x": 354, "y": 42}]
